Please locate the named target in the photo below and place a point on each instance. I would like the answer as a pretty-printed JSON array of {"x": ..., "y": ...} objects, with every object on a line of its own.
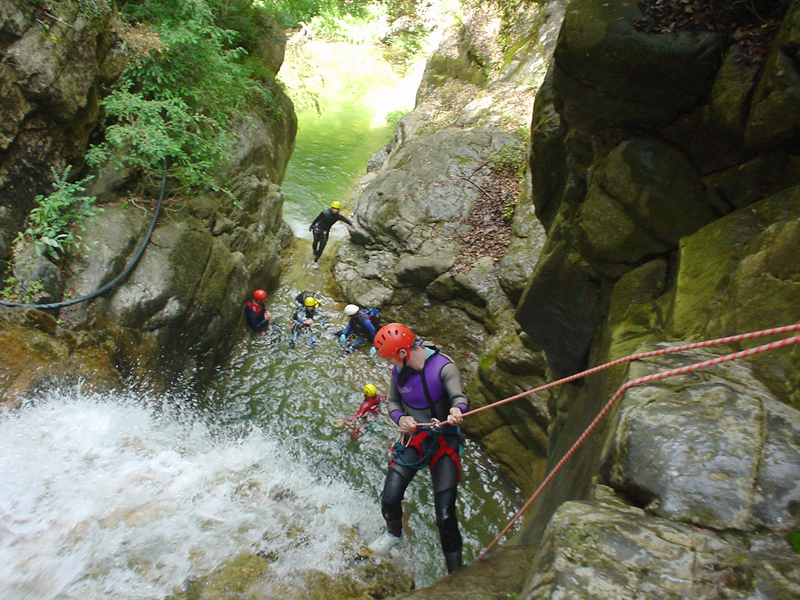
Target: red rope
[
  {"x": 632, "y": 357},
  {"x": 654, "y": 377}
]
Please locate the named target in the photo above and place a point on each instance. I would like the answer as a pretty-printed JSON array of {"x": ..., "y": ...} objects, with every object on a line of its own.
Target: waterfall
[{"x": 121, "y": 496}]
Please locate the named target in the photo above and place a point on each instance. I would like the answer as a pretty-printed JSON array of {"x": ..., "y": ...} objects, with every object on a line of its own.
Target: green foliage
[
  {"x": 393, "y": 118},
  {"x": 289, "y": 13},
  {"x": 509, "y": 159},
  {"x": 794, "y": 542},
  {"x": 509, "y": 208},
  {"x": 54, "y": 225},
  {"x": 406, "y": 46},
  {"x": 145, "y": 132},
  {"x": 179, "y": 101},
  {"x": 16, "y": 290}
]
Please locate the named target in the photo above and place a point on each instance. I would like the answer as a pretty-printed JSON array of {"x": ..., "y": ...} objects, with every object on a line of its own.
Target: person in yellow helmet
[
  {"x": 306, "y": 318},
  {"x": 367, "y": 412},
  {"x": 321, "y": 227}
]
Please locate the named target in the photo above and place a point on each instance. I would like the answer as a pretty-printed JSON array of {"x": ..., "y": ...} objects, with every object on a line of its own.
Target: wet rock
[
  {"x": 499, "y": 575},
  {"x": 712, "y": 448},
  {"x": 253, "y": 577}
]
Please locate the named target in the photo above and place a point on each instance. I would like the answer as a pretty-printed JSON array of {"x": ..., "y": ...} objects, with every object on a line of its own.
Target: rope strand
[
  {"x": 632, "y": 357},
  {"x": 646, "y": 379}
]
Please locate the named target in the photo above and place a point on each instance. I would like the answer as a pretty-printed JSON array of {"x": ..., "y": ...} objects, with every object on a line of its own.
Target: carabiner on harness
[{"x": 400, "y": 446}]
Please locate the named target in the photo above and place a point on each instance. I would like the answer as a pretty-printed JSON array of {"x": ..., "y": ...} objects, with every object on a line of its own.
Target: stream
[{"x": 128, "y": 495}]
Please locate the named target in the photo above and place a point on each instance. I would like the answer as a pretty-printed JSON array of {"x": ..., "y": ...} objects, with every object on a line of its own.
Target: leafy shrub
[
  {"x": 177, "y": 100},
  {"x": 393, "y": 118},
  {"x": 55, "y": 224}
]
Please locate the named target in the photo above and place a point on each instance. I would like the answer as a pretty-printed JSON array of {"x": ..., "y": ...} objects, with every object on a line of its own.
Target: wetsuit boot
[{"x": 453, "y": 560}]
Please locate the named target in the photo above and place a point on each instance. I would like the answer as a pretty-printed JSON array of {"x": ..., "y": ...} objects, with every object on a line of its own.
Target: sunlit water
[
  {"x": 129, "y": 496},
  {"x": 354, "y": 90}
]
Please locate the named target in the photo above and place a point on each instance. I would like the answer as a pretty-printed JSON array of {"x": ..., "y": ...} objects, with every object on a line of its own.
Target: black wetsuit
[
  {"x": 254, "y": 313},
  {"x": 321, "y": 227},
  {"x": 434, "y": 397}
]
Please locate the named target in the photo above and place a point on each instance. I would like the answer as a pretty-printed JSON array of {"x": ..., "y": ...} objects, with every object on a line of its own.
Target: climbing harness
[
  {"x": 438, "y": 447},
  {"x": 646, "y": 379},
  {"x": 125, "y": 272}
]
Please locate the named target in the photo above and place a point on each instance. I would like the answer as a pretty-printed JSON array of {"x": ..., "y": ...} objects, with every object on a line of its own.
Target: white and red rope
[{"x": 648, "y": 378}]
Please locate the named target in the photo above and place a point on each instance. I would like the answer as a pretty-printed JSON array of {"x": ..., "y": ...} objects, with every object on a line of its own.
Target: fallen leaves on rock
[
  {"x": 750, "y": 24},
  {"x": 488, "y": 231}
]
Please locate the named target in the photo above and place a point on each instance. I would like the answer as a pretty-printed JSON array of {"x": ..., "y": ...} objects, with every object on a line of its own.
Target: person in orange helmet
[
  {"x": 258, "y": 318},
  {"x": 426, "y": 386}
]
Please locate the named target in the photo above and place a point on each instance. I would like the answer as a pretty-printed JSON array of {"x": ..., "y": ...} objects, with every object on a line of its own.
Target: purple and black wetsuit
[{"x": 424, "y": 395}]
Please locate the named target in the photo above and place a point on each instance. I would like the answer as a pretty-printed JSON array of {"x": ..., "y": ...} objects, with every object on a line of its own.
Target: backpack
[{"x": 374, "y": 316}]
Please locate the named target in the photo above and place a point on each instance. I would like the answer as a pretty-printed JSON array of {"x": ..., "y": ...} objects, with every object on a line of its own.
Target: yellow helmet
[
  {"x": 310, "y": 301},
  {"x": 336, "y": 204},
  {"x": 370, "y": 390}
]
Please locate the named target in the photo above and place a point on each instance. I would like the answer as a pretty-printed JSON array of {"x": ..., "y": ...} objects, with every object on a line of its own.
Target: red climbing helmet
[
  {"x": 392, "y": 338},
  {"x": 259, "y": 295}
]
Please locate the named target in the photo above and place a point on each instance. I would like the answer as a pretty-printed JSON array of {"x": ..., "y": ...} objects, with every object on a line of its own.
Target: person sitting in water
[
  {"x": 367, "y": 413},
  {"x": 257, "y": 317},
  {"x": 359, "y": 329},
  {"x": 321, "y": 227},
  {"x": 306, "y": 318}
]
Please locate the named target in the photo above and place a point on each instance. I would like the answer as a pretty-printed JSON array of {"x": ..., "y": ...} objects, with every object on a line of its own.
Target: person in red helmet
[
  {"x": 258, "y": 318},
  {"x": 426, "y": 385}
]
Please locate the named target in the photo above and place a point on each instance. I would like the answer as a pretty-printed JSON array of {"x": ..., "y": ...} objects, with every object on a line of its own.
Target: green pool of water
[{"x": 355, "y": 90}]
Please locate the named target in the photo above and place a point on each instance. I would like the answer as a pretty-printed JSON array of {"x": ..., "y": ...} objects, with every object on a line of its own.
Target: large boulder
[
  {"x": 608, "y": 71},
  {"x": 607, "y": 549},
  {"x": 713, "y": 448},
  {"x": 411, "y": 215}
]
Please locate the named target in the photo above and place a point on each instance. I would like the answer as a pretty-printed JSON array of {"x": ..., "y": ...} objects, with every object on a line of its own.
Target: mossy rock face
[
  {"x": 250, "y": 577},
  {"x": 775, "y": 110},
  {"x": 741, "y": 274},
  {"x": 644, "y": 196},
  {"x": 562, "y": 306},
  {"x": 634, "y": 314},
  {"x": 608, "y": 71},
  {"x": 713, "y": 134},
  {"x": 516, "y": 433},
  {"x": 548, "y": 155},
  {"x": 755, "y": 179}
]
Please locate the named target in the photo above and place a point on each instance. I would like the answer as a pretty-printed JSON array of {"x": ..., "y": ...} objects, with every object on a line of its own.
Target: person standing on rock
[
  {"x": 426, "y": 386},
  {"x": 258, "y": 318},
  {"x": 321, "y": 227}
]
